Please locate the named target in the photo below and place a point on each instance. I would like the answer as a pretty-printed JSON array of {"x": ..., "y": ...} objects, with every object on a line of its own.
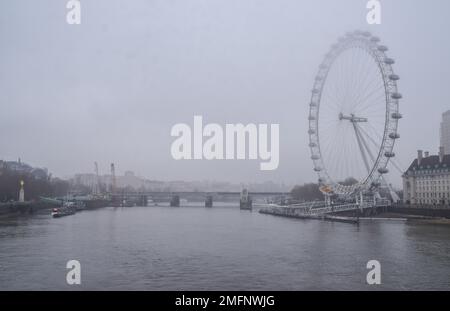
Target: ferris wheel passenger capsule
[
  {"x": 394, "y": 77},
  {"x": 394, "y": 135},
  {"x": 383, "y": 170},
  {"x": 397, "y": 115},
  {"x": 382, "y": 48},
  {"x": 396, "y": 95},
  {"x": 389, "y": 61},
  {"x": 389, "y": 154}
]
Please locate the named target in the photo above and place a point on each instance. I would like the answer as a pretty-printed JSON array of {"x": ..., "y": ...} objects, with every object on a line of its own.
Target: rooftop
[{"x": 430, "y": 162}]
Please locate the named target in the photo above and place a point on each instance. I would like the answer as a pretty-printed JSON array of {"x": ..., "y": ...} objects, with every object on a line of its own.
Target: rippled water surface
[{"x": 220, "y": 248}]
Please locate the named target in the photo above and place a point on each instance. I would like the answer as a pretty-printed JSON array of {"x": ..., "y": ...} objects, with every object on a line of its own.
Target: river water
[{"x": 219, "y": 248}]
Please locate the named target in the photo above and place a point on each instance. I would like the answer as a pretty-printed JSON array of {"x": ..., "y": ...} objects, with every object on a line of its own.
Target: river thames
[{"x": 219, "y": 248}]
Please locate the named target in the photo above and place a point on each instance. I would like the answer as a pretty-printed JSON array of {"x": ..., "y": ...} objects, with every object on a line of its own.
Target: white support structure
[{"x": 21, "y": 192}]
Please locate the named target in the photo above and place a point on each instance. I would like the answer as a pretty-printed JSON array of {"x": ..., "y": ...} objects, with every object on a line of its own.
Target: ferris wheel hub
[{"x": 352, "y": 118}]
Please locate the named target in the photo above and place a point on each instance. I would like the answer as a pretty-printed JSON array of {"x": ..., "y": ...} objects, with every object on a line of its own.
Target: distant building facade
[
  {"x": 427, "y": 180},
  {"x": 445, "y": 132}
]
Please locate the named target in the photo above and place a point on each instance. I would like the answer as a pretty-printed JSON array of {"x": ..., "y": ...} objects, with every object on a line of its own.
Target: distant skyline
[{"x": 110, "y": 89}]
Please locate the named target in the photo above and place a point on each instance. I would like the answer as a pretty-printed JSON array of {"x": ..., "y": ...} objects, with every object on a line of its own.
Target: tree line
[
  {"x": 311, "y": 192},
  {"x": 34, "y": 187}
]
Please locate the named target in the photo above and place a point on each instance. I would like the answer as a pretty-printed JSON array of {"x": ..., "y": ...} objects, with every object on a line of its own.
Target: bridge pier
[
  {"x": 209, "y": 201},
  {"x": 245, "y": 201},
  {"x": 143, "y": 200},
  {"x": 175, "y": 201}
]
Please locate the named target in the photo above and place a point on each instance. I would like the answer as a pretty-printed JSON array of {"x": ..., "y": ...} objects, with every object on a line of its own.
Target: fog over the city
[{"x": 110, "y": 89}]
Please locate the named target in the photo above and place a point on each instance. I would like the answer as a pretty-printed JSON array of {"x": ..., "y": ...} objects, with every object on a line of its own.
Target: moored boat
[{"x": 68, "y": 208}]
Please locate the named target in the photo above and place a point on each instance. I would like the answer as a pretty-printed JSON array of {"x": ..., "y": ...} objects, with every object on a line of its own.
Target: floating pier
[{"x": 293, "y": 212}]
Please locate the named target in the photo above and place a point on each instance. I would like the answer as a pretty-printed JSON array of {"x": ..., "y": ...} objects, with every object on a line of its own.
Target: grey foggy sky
[{"x": 110, "y": 89}]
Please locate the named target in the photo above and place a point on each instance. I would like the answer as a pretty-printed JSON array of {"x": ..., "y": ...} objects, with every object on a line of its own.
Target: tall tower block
[{"x": 445, "y": 132}]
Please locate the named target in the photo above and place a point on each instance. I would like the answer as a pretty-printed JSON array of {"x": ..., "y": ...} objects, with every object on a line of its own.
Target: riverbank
[
  {"x": 435, "y": 211},
  {"x": 354, "y": 217},
  {"x": 16, "y": 208},
  {"x": 417, "y": 219}
]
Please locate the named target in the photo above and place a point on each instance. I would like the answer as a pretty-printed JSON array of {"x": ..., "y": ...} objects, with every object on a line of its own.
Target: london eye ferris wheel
[{"x": 353, "y": 116}]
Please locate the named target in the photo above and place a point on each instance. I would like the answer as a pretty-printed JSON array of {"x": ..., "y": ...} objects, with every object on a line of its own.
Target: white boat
[{"x": 68, "y": 208}]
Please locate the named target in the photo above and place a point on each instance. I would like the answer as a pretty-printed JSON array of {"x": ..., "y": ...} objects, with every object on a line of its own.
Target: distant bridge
[
  {"x": 187, "y": 193},
  {"x": 166, "y": 196}
]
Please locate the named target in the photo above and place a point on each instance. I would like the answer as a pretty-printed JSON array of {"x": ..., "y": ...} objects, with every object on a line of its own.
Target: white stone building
[{"x": 427, "y": 180}]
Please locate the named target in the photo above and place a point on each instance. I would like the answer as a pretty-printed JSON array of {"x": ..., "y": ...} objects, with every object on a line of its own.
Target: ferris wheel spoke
[
  {"x": 372, "y": 90},
  {"x": 331, "y": 129},
  {"x": 349, "y": 79},
  {"x": 376, "y": 105},
  {"x": 340, "y": 82},
  {"x": 368, "y": 91},
  {"x": 367, "y": 87},
  {"x": 332, "y": 91},
  {"x": 333, "y": 101},
  {"x": 376, "y": 132},
  {"x": 376, "y": 110},
  {"x": 348, "y": 61},
  {"x": 331, "y": 146},
  {"x": 370, "y": 76},
  {"x": 336, "y": 89},
  {"x": 371, "y": 139},
  {"x": 364, "y": 104},
  {"x": 357, "y": 78},
  {"x": 337, "y": 148},
  {"x": 364, "y": 72}
]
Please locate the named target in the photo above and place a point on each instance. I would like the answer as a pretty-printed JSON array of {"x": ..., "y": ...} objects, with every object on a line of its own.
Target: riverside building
[{"x": 427, "y": 180}]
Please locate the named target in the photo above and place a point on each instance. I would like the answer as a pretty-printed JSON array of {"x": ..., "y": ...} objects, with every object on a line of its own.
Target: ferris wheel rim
[{"x": 372, "y": 46}]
